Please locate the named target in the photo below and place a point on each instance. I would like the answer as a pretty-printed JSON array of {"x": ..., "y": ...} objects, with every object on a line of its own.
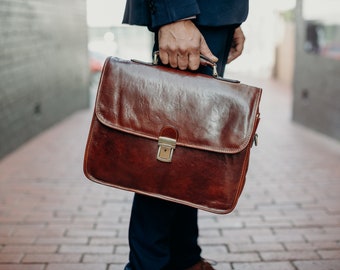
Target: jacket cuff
[{"x": 168, "y": 11}]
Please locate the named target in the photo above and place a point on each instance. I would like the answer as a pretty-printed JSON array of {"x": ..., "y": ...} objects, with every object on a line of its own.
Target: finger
[
  {"x": 231, "y": 57},
  {"x": 194, "y": 61},
  {"x": 240, "y": 47},
  {"x": 234, "y": 53},
  {"x": 163, "y": 55},
  {"x": 182, "y": 61},
  {"x": 173, "y": 59}
]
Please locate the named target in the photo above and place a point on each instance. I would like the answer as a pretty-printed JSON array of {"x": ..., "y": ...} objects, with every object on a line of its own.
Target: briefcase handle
[{"x": 204, "y": 58}]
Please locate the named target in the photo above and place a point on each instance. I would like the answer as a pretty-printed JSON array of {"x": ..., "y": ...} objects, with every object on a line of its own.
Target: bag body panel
[{"x": 214, "y": 121}]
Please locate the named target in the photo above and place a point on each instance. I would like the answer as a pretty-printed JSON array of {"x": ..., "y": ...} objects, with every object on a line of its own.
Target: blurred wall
[
  {"x": 269, "y": 39},
  {"x": 316, "y": 85},
  {"x": 283, "y": 69},
  {"x": 43, "y": 66}
]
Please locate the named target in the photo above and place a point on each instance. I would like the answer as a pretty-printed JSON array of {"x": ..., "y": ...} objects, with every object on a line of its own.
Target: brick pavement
[{"x": 288, "y": 218}]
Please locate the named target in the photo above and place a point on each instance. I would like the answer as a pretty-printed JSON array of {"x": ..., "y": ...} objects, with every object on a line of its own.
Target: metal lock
[{"x": 166, "y": 147}]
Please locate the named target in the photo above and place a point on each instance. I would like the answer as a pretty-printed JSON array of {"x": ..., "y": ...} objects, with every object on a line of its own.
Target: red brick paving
[{"x": 288, "y": 218}]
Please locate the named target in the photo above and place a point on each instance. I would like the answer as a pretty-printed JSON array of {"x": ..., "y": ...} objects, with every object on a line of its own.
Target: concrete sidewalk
[{"x": 288, "y": 217}]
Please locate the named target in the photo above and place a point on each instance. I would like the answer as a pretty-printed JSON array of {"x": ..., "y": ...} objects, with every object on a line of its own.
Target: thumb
[{"x": 206, "y": 51}]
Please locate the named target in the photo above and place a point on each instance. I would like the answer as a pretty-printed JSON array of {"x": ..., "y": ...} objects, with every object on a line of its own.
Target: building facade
[
  {"x": 44, "y": 74},
  {"x": 316, "y": 97}
]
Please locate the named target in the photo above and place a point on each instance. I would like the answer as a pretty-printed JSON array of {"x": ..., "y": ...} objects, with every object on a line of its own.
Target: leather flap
[{"x": 208, "y": 113}]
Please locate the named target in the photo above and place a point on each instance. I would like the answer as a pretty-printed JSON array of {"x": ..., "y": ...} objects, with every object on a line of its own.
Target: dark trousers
[{"x": 163, "y": 235}]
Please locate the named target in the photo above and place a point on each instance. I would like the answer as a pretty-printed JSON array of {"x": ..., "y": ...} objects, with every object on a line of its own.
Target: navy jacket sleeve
[
  {"x": 136, "y": 12},
  {"x": 168, "y": 11},
  {"x": 222, "y": 12},
  {"x": 155, "y": 13}
]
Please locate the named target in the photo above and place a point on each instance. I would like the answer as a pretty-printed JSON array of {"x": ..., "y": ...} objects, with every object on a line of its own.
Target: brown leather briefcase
[{"x": 176, "y": 135}]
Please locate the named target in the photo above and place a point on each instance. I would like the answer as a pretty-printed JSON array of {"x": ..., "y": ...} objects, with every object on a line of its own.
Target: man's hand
[
  {"x": 180, "y": 45},
  {"x": 237, "y": 45}
]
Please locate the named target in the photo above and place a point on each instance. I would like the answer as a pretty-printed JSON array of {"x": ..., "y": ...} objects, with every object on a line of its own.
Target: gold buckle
[{"x": 166, "y": 147}]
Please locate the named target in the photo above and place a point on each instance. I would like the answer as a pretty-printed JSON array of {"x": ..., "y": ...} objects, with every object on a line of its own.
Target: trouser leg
[
  {"x": 184, "y": 248},
  {"x": 157, "y": 229}
]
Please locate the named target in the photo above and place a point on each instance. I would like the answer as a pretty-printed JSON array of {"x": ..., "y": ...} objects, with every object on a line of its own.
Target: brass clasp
[{"x": 166, "y": 147}]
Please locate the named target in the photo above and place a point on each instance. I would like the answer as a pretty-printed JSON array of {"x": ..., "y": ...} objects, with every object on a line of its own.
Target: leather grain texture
[{"x": 212, "y": 121}]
